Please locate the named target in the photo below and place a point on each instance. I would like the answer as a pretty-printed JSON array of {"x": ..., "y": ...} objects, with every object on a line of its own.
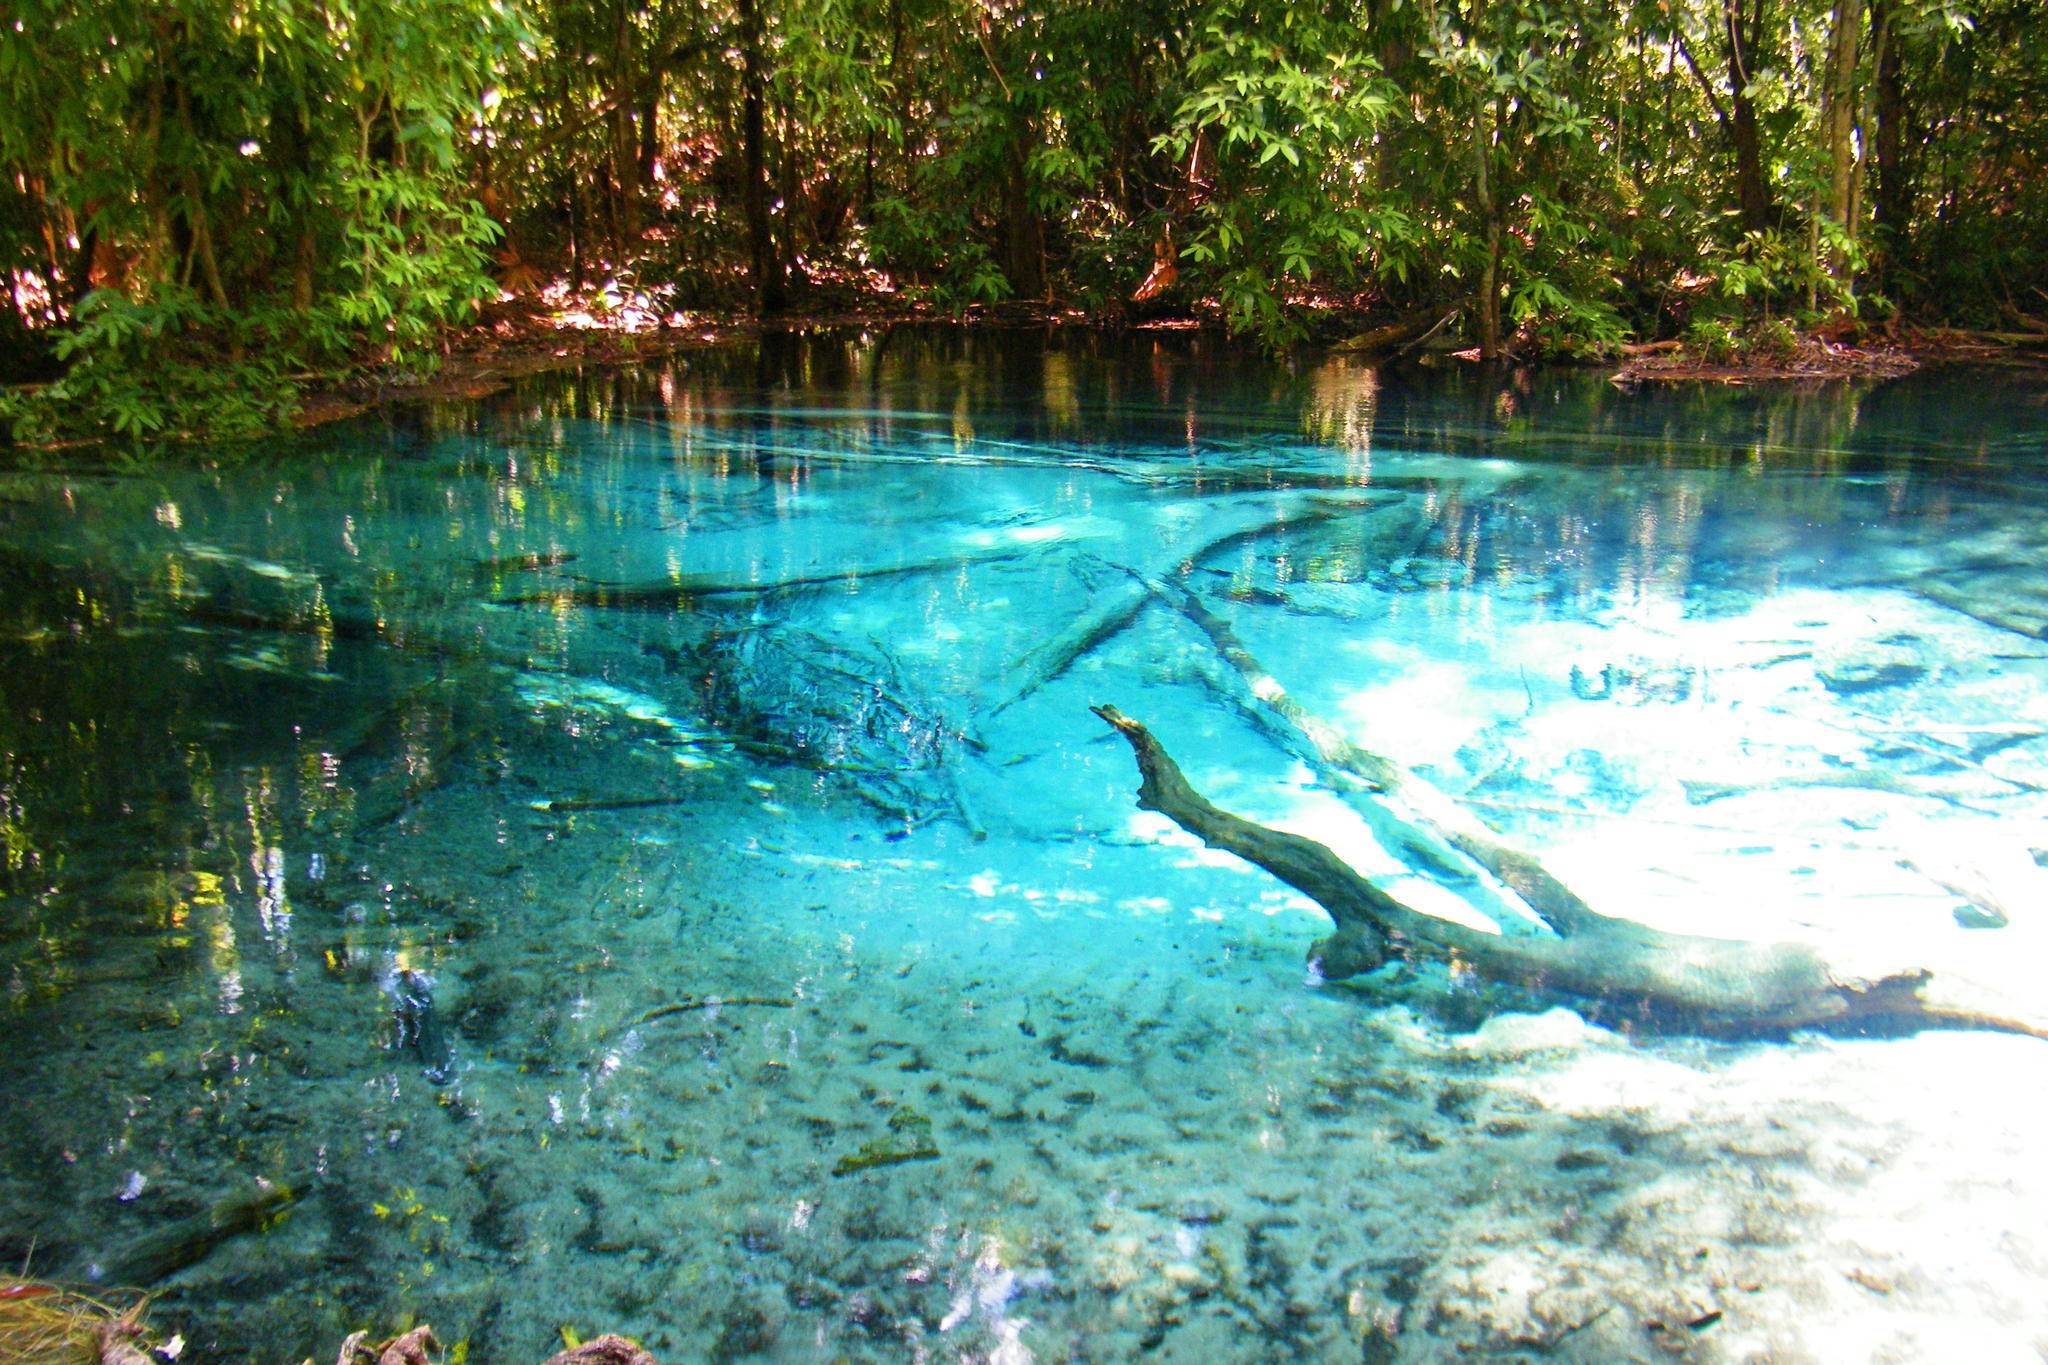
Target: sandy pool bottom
[{"x": 745, "y": 1079}]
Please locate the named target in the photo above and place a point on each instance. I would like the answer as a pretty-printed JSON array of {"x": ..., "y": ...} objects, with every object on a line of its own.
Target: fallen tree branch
[
  {"x": 1420, "y": 823},
  {"x": 1681, "y": 980},
  {"x": 683, "y": 593},
  {"x": 1116, "y": 607},
  {"x": 713, "y": 1002},
  {"x": 1399, "y": 337},
  {"x": 1113, "y": 610},
  {"x": 571, "y": 807}
]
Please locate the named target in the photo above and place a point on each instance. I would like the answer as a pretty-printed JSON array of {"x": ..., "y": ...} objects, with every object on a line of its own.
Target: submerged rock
[
  {"x": 1870, "y": 666},
  {"x": 1509, "y": 1037},
  {"x": 419, "y": 1025},
  {"x": 1632, "y": 682},
  {"x": 604, "y": 1350},
  {"x": 1522, "y": 1299}
]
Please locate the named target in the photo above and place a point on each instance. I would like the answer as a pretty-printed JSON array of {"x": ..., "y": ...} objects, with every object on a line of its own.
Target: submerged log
[
  {"x": 164, "y": 1252},
  {"x": 1679, "y": 980},
  {"x": 684, "y": 593},
  {"x": 1398, "y": 337},
  {"x": 1111, "y": 611},
  {"x": 1128, "y": 590},
  {"x": 1412, "y": 819}
]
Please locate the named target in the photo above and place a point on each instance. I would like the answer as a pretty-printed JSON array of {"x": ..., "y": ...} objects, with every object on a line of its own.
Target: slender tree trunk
[
  {"x": 769, "y": 294},
  {"x": 202, "y": 243},
  {"x": 1670, "y": 107},
  {"x": 622, "y": 177},
  {"x": 650, "y": 133},
  {"x": 78, "y": 280},
  {"x": 163, "y": 252},
  {"x": 198, "y": 225},
  {"x": 1840, "y": 110},
  {"x": 795, "y": 213},
  {"x": 295, "y": 161},
  {"x": 898, "y": 35},
  {"x": 1890, "y": 203},
  {"x": 1024, "y": 232},
  {"x": 573, "y": 206},
  {"x": 1813, "y": 213},
  {"x": 1752, "y": 192},
  {"x": 572, "y": 209},
  {"x": 1394, "y": 52},
  {"x": 1489, "y": 292},
  {"x": 867, "y": 179},
  {"x": 1489, "y": 213}
]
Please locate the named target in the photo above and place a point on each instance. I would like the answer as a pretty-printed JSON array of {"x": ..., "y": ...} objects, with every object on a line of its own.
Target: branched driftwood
[
  {"x": 1128, "y": 591},
  {"x": 1112, "y": 608},
  {"x": 1415, "y": 821},
  {"x": 1679, "y": 979}
]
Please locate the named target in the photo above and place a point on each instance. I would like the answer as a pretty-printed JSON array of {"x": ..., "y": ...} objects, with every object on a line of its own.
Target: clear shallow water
[{"x": 561, "y": 839}]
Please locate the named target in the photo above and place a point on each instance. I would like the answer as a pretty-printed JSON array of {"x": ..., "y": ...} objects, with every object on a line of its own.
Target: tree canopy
[{"x": 205, "y": 201}]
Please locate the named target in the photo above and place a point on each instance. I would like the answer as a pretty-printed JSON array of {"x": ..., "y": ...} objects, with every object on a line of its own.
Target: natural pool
[{"x": 634, "y": 854}]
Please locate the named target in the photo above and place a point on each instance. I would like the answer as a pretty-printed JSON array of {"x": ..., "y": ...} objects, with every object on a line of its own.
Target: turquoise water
[{"x": 564, "y": 840}]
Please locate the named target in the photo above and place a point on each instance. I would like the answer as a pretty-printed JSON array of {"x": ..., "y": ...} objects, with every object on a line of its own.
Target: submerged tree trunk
[{"x": 1677, "y": 980}]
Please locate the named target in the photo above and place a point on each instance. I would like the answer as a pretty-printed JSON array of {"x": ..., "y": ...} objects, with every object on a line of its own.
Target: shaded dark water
[{"x": 560, "y": 840}]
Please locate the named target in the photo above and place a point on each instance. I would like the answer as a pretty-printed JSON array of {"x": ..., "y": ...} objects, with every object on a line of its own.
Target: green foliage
[
  {"x": 202, "y": 199},
  {"x": 1713, "y": 340},
  {"x": 1285, "y": 114},
  {"x": 1565, "y": 324},
  {"x": 170, "y": 366},
  {"x": 940, "y": 247},
  {"x": 1772, "y": 273},
  {"x": 412, "y": 263},
  {"x": 1720, "y": 341},
  {"x": 1773, "y": 337},
  {"x": 223, "y": 193}
]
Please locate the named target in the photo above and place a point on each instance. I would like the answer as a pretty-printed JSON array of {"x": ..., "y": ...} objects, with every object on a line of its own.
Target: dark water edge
[{"x": 322, "y": 868}]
